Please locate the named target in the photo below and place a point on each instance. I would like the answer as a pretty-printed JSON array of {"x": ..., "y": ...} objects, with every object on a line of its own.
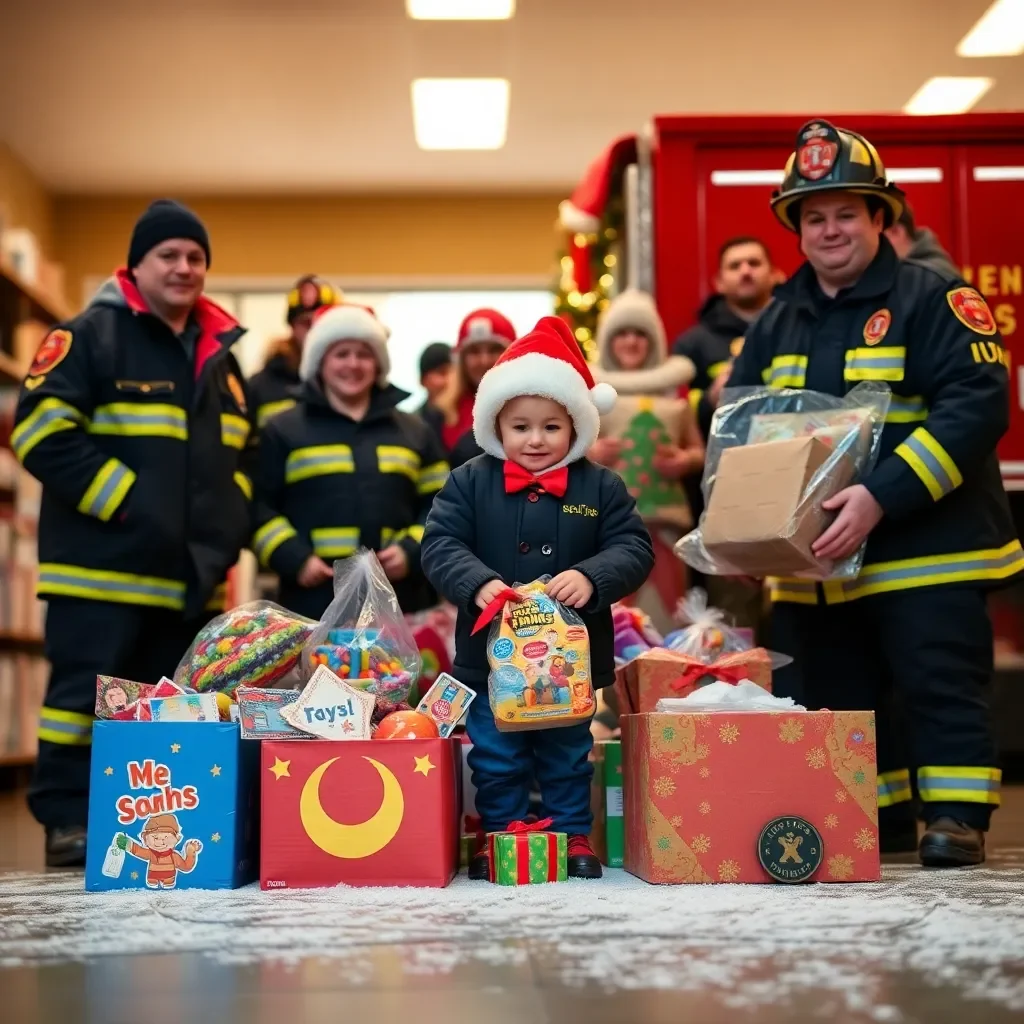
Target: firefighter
[
  {"x": 273, "y": 388},
  {"x": 933, "y": 510},
  {"x": 135, "y": 420}
]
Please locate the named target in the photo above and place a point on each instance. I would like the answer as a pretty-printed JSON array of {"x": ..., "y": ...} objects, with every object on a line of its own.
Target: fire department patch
[
  {"x": 817, "y": 151},
  {"x": 877, "y": 327},
  {"x": 56, "y": 345},
  {"x": 736, "y": 346},
  {"x": 237, "y": 393},
  {"x": 971, "y": 310}
]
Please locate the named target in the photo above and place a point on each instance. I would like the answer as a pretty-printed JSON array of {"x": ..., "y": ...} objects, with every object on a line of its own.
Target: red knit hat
[
  {"x": 485, "y": 326},
  {"x": 548, "y": 363}
]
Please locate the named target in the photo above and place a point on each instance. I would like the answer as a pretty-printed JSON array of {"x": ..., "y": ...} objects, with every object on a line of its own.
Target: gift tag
[
  {"x": 446, "y": 702},
  {"x": 187, "y": 707},
  {"x": 260, "y": 714},
  {"x": 331, "y": 709}
]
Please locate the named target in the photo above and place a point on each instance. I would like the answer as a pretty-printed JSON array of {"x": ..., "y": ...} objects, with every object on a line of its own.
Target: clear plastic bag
[
  {"x": 773, "y": 457},
  {"x": 539, "y": 654},
  {"x": 255, "y": 644},
  {"x": 363, "y": 636},
  {"x": 705, "y": 634}
]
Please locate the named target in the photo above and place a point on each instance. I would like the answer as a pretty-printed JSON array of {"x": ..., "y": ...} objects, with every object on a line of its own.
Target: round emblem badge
[
  {"x": 971, "y": 310},
  {"x": 790, "y": 849},
  {"x": 877, "y": 327},
  {"x": 54, "y": 348}
]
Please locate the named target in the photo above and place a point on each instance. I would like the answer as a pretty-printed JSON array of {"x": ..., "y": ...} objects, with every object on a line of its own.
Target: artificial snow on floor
[{"x": 958, "y": 928}]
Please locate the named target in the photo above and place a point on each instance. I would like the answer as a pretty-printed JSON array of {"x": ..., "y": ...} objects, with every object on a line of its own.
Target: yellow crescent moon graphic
[{"x": 352, "y": 842}]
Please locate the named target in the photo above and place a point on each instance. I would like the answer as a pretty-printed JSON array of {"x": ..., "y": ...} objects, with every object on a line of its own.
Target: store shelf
[
  {"x": 17, "y": 760},
  {"x": 21, "y": 642},
  {"x": 9, "y": 369},
  {"x": 41, "y": 306}
]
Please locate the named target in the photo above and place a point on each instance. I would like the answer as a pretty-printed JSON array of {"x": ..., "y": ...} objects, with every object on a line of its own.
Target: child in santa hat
[{"x": 534, "y": 506}]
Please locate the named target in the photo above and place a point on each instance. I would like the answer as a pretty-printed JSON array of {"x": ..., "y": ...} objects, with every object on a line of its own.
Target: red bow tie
[{"x": 554, "y": 482}]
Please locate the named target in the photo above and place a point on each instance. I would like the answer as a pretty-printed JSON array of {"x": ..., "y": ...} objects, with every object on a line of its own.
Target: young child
[{"x": 533, "y": 506}]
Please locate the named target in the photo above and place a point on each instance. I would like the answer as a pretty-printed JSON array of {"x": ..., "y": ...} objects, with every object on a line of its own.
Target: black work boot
[
  {"x": 582, "y": 862},
  {"x": 480, "y": 867},
  {"x": 948, "y": 843},
  {"x": 65, "y": 847}
]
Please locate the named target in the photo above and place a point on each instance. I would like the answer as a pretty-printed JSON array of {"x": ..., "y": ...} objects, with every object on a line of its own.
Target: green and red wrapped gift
[{"x": 527, "y": 854}]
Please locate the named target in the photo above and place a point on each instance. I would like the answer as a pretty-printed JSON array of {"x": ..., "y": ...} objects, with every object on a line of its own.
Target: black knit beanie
[
  {"x": 165, "y": 219},
  {"x": 435, "y": 355}
]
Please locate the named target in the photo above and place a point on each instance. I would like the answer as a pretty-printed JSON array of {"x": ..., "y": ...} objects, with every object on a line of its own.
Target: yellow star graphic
[
  {"x": 175, "y": 747},
  {"x": 215, "y": 770},
  {"x": 108, "y": 771},
  {"x": 423, "y": 765},
  {"x": 135, "y": 876},
  {"x": 280, "y": 768},
  {"x": 215, "y": 838}
]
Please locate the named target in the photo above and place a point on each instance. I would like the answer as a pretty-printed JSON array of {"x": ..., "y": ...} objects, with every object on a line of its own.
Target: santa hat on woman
[
  {"x": 547, "y": 363},
  {"x": 485, "y": 326},
  {"x": 345, "y": 322}
]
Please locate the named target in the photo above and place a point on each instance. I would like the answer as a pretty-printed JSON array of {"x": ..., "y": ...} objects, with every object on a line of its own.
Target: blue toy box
[{"x": 172, "y": 805}]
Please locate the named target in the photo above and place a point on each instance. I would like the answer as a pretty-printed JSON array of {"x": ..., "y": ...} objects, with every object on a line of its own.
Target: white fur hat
[{"x": 346, "y": 322}]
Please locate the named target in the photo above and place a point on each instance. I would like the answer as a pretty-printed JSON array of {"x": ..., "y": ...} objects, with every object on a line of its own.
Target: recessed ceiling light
[
  {"x": 999, "y": 32},
  {"x": 947, "y": 95},
  {"x": 460, "y": 113},
  {"x": 460, "y": 10}
]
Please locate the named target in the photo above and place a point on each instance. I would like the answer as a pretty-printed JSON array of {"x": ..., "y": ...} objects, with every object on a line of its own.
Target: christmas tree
[{"x": 640, "y": 442}]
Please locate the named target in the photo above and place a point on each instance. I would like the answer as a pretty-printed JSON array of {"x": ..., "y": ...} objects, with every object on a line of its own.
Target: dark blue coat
[{"x": 476, "y": 533}]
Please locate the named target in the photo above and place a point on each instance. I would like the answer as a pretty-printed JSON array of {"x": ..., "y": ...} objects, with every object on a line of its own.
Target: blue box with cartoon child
[{"x": 172, "y": 805}]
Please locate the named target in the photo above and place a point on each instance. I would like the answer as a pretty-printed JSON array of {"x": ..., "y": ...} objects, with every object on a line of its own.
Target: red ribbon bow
[
  {"x": 508, "y": 594},
  {"x": 554, "y": 482},
  {"x": 731, "y": 674},
  {"x": 530, "y": 826}
]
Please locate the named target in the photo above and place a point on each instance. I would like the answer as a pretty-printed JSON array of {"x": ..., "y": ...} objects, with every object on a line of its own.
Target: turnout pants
[
  {"x": 85, "y": 639},
  {"x": 932, "y": 648}
]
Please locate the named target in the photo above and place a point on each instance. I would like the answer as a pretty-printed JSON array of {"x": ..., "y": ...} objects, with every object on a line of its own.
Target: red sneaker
[{"x": 582, "y": 861}]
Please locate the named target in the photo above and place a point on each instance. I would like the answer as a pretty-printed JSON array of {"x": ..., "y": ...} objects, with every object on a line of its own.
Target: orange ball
[{"x": 406, "y": 725}]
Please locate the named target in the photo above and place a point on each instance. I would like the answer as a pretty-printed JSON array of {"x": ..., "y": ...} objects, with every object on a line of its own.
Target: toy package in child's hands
[
  {"x": 539, "y": 654},
  {"x": 363, "y": 638}
]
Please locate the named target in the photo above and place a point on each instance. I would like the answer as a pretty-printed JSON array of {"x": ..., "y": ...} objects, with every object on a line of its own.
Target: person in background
[
  {"x": 650, "y": 438},
  {"x": 483, "y": 336},
  {"x": 345, "y": 469},
  {"x": 919, "y": 244},
  {"x": 135, "y": 420},
  {"x": 435, "y": 372},
  {"x": 273, "y": 388}
]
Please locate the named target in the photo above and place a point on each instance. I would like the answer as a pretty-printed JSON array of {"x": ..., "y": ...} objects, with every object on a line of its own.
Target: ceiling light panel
[
  {"x": 943, "y": 95},
  {"x": 460, "y": 113}
]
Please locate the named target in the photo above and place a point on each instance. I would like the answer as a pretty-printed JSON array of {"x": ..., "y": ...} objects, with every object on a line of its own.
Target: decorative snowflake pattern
[
  {"x": 664, "y": 843},
  {"x": 728, "y": 871},
  {"x": 668, "y": 733},
  {"x": 676, "y": 820},
  {"x": 840, "y": 867},
  {"x": 701, "y": 843},
  {"x": 816, "y": 758},
  {"x": 840, "y": 796},
  {"x": 832, "y": 821},
  {"x": 864, "y": 839},
  {"x": 664, "y": 786},
  {"x": 705, "y": 808},
  {"x": 704, "y": 772},
  {"x": 729, "y": 733},
  {"x": 858, "y": 777},
  {"x": 702, "y": 751},
  {"x": 791, "y": 731}
]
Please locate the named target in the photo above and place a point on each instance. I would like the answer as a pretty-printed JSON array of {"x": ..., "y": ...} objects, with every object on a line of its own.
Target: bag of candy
[
  {"x": 255, "y": 644},
  {"x": 363, "y": 637},
  {"x": 705, "y": 634}
]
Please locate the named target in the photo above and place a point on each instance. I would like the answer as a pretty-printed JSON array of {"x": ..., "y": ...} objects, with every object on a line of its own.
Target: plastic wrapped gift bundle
[{"x": 774, "y": 456}]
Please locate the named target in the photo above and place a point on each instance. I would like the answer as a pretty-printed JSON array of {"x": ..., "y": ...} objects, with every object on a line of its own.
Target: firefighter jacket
[
  {"x": 274, "y": 388},
  {"x": 141, "y": 446},
  {"x": 328, "y": 485},
  {"x": 933, "y": 340}
]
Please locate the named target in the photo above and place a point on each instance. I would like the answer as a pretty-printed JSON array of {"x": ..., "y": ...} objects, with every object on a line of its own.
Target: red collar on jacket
[{"x": 212, "y": 320}]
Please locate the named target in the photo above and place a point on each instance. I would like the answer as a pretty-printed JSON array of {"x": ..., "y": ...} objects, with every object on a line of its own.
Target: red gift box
[
  {"x": 359, "y": 812},
  {"x": 700, "y": 789}
]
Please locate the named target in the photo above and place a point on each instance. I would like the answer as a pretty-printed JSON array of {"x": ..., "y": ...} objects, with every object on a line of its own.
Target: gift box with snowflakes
[{"x": 751, "y": 796}]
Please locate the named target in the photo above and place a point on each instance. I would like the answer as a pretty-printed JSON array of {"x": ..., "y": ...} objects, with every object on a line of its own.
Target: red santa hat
[
  {"x": 582, "y": 212},
  {"x": 345, "y": 322},
  {"x": 485, "y": 326},
  {"x": 548, "y": 363}
]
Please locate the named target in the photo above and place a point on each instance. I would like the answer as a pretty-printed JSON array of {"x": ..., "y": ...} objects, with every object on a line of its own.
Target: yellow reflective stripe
[
  {"x": 318, "y": 460},
  {"x": 48, "y": 417},
  {"x": 786, "y": 372},
  {"x": 431, "y": 478},
  {"x": 140, "y": 419},
  {"x": 931, "y": 462},
  {"x": 883, "y": 363},
  {"x": 694, "y": 398},
  {"x": 716, "y": 368},
  {"x": 335, "y": 541},
  {"x": 270, "y": 536},
  {"x": 66, "y": 727},
  {"x": 932, "y": 570},
  {"x": 103, "y": 585},
  {"x": 218, "y": 599},
  {"x": 270, "y": 409},
  {"x": 792, "y": 590},
  {"x": 959, "y": 784},
  {"x": 106, "y": 492},
  {"x": 894, "y": 788},
  {"x": 396, "y": 459},
  {"x": 244, "y": 484},
  {"x": 390, "y": 536},
  {"x": 234, "y": 430},
  {"x": 906, "y": 409},
  {"x": 416, "y": 533}
]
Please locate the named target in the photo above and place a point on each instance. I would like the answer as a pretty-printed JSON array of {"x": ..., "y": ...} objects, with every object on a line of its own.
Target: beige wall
[
  {"x": 453, "y": 236},
  {"x": 26, "y": 203}
]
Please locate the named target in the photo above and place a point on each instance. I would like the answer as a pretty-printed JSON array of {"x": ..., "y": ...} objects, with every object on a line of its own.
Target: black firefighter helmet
[
  {"x": 830, "y": 159},
  {"x": 309, "y": 294}
]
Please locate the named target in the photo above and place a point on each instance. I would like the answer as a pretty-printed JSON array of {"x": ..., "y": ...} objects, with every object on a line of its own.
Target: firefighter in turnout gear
[
  {"x": 135, "y": 420},
  {"x": 933, "y": 510},
  {"x": 274, "y": 388}
]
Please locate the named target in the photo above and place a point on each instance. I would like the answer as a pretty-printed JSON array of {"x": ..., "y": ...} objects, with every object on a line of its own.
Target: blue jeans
[{"x": 505, "y": 764}]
